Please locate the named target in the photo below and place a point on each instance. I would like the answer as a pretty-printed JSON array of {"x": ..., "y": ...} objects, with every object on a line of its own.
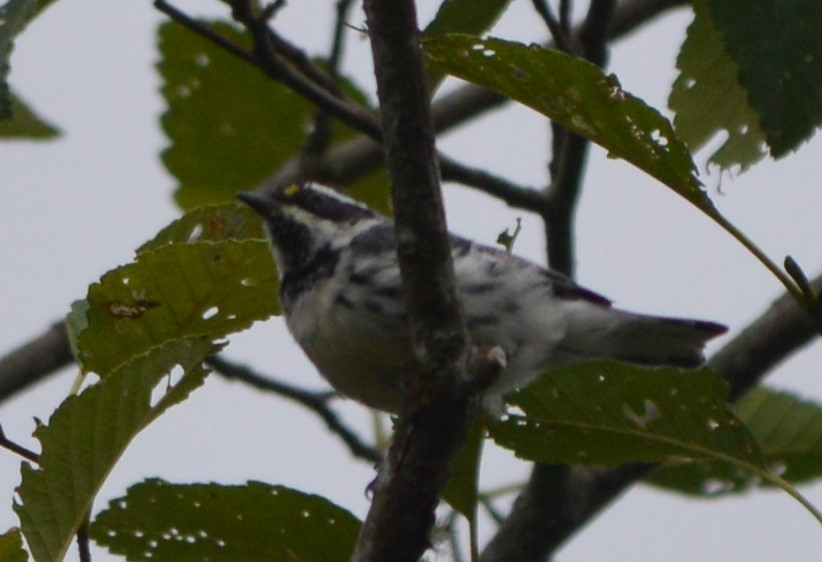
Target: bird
[{"x": 342, "y": 297}]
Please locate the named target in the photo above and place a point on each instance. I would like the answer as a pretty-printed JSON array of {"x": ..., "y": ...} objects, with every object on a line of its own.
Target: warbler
[{"x": 342, "y": 297}]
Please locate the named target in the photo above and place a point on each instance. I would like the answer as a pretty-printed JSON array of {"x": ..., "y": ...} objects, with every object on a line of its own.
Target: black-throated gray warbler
[{"x": 343, "y": 302}]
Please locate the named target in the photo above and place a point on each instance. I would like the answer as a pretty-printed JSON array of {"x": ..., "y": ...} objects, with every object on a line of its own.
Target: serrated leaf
[
  {"x": 11, "y": 547},
  {"x": 219, "y": 148},
  {"x": 707, "y": 98},
  {"x": 576, "y": 94},
  {"x": 161, "y": 521},
  {"x": 778, "y": 48},
  {"x": 176, "y": 291},
  {"x": 14, "y": 14},
  {"x": 25, "y": 123},
  {"x": 789, "y": 432},
  {"x": 608, "y": 413},
  {"x": 472, "y": 17},
  {"x": 88, "y": 433}
]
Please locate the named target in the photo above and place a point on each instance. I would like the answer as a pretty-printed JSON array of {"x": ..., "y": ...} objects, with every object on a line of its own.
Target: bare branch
[
  {"x": 570, "y": 150},
  {"x": 319, "y": 140},
  {"x": 316, "y": 402},
  {"x": 83, "y": 541},
  {"x": 543, "y": 8},
  {"x": 521, "y": 197},
  {"x": 34, "y": 360},
  {"x": 16, "y": 448}
]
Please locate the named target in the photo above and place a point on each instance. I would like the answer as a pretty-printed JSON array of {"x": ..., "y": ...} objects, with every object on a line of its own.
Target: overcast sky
[{"x": 79, "y": 206}]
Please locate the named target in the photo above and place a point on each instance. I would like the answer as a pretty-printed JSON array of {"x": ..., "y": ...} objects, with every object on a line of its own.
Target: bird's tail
[{"x": 637, "y": 338}]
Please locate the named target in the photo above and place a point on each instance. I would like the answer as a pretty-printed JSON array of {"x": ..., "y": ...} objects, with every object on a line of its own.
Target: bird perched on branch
[{"x": 342, "y": 297}]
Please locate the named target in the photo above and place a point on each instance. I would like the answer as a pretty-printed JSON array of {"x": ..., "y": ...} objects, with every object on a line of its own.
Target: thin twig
[
  {"x": 27, "y": 454},
  {"x": 554, "y": 26},
  {"x": 570, "y": 151},
  {"x": 265, "y": 57},
  {"x": 565, "y": 15},
  {"x": 316, "y": 402},
  {"x": 203, "y": 30},
  {"x": 319, "y": 140},
  {"x": 83, "y": 542},
  {"x": 518, "y": 196}
]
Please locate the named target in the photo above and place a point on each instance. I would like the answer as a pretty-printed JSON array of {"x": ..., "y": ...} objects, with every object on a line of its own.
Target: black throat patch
[{"x": 322, "y": 265}]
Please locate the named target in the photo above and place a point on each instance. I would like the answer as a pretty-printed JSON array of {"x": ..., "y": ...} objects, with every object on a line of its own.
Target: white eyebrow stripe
[{"x": 330, "y": 192}]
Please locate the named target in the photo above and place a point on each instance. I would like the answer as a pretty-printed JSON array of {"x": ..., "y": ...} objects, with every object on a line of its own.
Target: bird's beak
[{"x": 260, "y": 202}]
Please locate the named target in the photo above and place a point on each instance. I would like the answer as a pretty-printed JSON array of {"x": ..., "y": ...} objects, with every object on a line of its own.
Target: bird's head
[{"x": 304, "y": 219}]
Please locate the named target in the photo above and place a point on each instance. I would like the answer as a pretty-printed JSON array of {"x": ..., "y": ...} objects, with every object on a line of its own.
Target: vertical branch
[
  {"x": 438, "y": 408},
  {"x": 570, "y": 151},
  {"x": 319, "y": 140}
]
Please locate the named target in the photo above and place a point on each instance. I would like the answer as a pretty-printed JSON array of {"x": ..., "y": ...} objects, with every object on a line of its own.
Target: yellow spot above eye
[{"x": 291, "y": 190}]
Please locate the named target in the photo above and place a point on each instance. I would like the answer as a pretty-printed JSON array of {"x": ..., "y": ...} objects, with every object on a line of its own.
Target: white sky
[{"x": 79, "y": 206}]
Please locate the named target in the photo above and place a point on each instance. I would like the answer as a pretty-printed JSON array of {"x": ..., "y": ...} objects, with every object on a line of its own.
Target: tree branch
[
  {"x": 316, "y": 402},
  {"x": 34, "y": 360},
  {"x": 319, "y": 140},
  {"x": 16, "y": 448},
  {"x": 438, "y": 409},
  {"x": 571, "y": 150},
  {"x": 556, "y": 503}
]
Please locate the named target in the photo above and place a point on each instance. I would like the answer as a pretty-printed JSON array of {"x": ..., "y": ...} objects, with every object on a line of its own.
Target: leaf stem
[
  {"x": 791, "y": 491},
  {"x": 783, "y": 277}
]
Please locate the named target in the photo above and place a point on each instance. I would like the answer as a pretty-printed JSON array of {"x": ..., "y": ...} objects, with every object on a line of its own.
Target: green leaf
[
  {"x": 608, "y": 413},
  {"x": 707, "y": 98},
  {"x": 88, "y": 433},
  {"x": 25, "y": 124},
  {"x": 778, "y": 48},
  {"x": 14, "y": 14},
  {"x": 11, "y": 547},
  {"x": 161, "y": 521},
  {"x": 472, "y": 17},
  {"x": 176, "y": 291},
  {"x": 211, "y": 223},
  {"x": 789, "y": 432},
  {"x": 576, "y": 94},
  {"x": 229, "y": 125}
]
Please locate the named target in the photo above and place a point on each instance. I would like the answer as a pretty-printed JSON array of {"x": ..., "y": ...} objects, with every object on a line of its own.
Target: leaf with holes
[
  {"x": 778, "y": 48},
  {"x": 87, "y": 434},
  {"x": 11, "y": 547},
  {"x": 201, "y": 289},
  {"x": 473, "y": 17},
  {"x": 161, "y": 521},
  {"x": 789, "y": 432},
  {"x": 708, "y": 99},
  {"x": 577, "y": 95},
  {"x": 608, "y": 413},
  {"x": 229, "y": 125},
  {"x": 211, "y": 223}
]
